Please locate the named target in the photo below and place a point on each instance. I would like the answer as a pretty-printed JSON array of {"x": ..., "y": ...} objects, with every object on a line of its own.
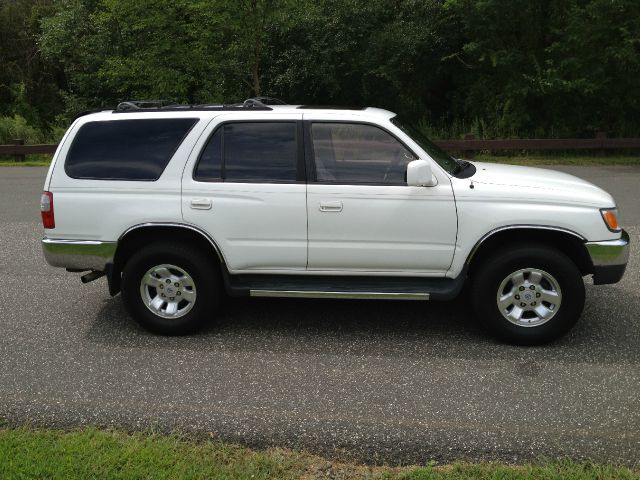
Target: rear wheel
[
  {"x": 170, "y": 289},
  {"x": 528, "y": 295}
]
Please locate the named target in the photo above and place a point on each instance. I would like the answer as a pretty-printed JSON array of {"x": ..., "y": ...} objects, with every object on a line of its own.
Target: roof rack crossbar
[
  {"x": 263, "y": 101},
  {"x": 140, "y": 104}
]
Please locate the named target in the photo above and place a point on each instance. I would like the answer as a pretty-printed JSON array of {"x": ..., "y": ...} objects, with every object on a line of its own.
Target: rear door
[
  {"x": 244, "y": 185},
  {"x": 362, "y": 215}
]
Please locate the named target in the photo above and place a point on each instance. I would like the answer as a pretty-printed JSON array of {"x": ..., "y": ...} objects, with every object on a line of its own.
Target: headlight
[{"x": 610, "y": 217}]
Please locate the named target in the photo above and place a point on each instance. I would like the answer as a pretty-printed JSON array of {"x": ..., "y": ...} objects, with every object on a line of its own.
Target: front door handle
[
  {"x": 201, "y": 204},
  {"x": 331, "y": 206}
]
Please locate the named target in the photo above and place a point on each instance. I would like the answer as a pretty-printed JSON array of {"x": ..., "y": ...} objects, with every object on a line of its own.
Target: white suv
[{"x": 178, "y": 204}]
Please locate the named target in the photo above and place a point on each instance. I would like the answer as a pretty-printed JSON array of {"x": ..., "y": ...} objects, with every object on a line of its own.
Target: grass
[
  {"x": 43, "y": 160},
  {"x": 91, "y": 453}
]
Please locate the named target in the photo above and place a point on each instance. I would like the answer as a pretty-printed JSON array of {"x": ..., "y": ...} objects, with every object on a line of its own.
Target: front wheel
[
  {"x": 170, "y": 289},
  {"x": 529, "y": 295}
]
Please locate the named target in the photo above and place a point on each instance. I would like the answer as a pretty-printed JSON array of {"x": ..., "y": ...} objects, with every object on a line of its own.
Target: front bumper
[
  {"x": 609, "y": 259},
  {"x": 78, "y": 254}
]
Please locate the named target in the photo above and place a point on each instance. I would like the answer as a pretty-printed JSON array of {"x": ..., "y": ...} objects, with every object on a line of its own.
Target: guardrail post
[
  {"x": 601, "y": 136},
  {"x": 469, "y": 153},
  {"x": 18, "y": 157}
]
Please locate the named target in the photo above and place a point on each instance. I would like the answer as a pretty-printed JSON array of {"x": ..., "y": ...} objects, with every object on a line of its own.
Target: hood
[{"x": 542, "y": 182}]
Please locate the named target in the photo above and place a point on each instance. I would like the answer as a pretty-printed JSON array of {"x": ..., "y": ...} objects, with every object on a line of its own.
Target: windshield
[{"x": 445, "y": 160}]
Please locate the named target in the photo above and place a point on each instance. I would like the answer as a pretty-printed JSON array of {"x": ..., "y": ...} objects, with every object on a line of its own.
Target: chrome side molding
[
  {"x": 346, "y": 295},
  {"x": 487, "y": 235}
]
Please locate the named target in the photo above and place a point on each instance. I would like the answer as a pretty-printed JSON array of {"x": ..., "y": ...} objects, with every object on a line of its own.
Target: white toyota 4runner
[{"x": 179, "y": 204}]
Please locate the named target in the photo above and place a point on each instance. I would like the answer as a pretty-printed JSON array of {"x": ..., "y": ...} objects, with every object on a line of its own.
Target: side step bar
[
  {"x": 349, "y": 295},
  {"x": 348, "y": 287}
]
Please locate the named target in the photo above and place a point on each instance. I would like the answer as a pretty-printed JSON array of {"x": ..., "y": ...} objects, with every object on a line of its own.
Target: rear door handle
[
  {"x": 201, "y": 204},
  {"x": 331, "y": 206}
]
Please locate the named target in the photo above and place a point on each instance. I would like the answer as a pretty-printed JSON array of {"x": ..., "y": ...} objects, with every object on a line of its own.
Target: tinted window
[
  {"x": 210, "y": 164},
  {"x": 260, "y": 151},
  {"x": 125, "y": 149},
  {"x": 358, "y": 153}
]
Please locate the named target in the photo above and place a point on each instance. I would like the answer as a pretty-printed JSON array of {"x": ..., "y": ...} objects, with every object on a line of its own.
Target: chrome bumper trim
[
  {"x": 609, "y": 252},
  {"x": 78, "y": 254},
  {"x": 349, "y": 295}
]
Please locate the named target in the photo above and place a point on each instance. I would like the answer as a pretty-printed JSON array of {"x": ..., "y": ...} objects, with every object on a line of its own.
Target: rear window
[{"x": 126, "y": 149}]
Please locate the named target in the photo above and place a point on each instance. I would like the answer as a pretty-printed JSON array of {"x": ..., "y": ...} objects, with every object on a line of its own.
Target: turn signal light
[
  {"x": 610, "y": 217},
  {"x": 46, "y": 209}
]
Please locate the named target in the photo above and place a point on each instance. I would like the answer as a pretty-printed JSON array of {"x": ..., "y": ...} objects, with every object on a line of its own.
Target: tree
[
  {"x": 28, "y": 84},
  {"x": 593, "y": 70}
]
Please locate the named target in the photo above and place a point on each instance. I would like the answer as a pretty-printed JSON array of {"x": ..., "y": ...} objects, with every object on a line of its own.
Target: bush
[{"x": 15, "y": 127}]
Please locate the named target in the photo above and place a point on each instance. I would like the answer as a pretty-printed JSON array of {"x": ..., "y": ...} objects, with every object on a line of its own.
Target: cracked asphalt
[{"x": 394, "y": 382}]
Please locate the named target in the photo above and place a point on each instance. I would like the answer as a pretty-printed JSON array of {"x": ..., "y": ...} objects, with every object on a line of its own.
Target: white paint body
[{"x": 308, "y": 228}]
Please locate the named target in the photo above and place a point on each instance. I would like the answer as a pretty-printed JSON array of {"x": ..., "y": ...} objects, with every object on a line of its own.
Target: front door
[{"x": 362, "y": 215}]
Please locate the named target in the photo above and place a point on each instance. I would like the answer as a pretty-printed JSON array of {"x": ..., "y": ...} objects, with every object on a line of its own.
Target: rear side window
[
  {"x": 250, "y": 152},
  {"x": 210, "y": 165},
  {"x": 126, "y": 149}
]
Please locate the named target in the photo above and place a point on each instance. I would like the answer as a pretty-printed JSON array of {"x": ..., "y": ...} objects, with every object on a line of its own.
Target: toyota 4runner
[{"x": 178, "y": 204}]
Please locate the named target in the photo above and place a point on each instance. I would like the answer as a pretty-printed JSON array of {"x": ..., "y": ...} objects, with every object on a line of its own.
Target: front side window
[
  {"x": 250, "y": 152},
  {"x": 353, "y": 153},
  {"x": 125, "y": 149}
]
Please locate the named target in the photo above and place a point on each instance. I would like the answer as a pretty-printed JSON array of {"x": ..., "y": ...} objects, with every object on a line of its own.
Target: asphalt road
[{"x": 390, "y": 382}]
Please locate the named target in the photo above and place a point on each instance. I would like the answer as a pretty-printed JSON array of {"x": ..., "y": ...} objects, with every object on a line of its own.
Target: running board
[
  {"x": 349, "y": 295},
  {"x": 348, "y": 287}
]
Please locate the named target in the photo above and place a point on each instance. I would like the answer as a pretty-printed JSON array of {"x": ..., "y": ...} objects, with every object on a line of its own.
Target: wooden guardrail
[
  {"x": 600, "y": 143},
  {"x": 19, "y": 150},
  {"x": 468, "y": 145}
]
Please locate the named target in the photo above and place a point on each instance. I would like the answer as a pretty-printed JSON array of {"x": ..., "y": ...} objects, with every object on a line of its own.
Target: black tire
[
  {"x": 489, "y": 276},
  {"x": 204, "y": 275}
]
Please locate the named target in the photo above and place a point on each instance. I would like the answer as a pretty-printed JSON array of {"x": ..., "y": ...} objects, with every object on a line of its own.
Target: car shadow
[{"x": 607, "y": 332}]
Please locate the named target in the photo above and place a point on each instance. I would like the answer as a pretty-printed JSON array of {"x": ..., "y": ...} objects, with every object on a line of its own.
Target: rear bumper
[
  {"x": 609, "y": 259},
  {"x": 78, "y": 254}
]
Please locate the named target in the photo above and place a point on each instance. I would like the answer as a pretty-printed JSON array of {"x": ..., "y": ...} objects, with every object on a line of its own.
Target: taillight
[{"x": 46, "y": 208}]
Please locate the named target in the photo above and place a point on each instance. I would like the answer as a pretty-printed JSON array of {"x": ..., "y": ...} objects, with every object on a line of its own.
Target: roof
[{"x": 211, "y": 112}]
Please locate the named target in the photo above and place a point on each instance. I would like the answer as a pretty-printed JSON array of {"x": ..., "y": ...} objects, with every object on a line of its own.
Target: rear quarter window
[{"x": 126, "y": 149}]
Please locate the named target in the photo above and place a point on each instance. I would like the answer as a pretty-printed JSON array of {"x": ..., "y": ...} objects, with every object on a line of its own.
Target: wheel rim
[
  {"x": 529, "y": 297},
  {"x": 168, "y": 291}
]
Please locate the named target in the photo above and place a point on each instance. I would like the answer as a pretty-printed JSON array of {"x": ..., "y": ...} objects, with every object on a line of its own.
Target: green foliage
[
  {"x": 28, "y": 84},
  {"x": 550, "y": 68},
  {"x": 495, "y": 68},
  {"x": 17, "y": 127}
]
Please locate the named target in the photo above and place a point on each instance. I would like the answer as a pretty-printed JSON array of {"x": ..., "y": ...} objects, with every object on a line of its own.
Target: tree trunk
[{"x": 256, "y": 78}]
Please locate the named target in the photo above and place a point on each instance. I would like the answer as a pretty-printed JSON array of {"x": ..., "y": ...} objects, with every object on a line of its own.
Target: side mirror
[{"x": 419, "y": 174}]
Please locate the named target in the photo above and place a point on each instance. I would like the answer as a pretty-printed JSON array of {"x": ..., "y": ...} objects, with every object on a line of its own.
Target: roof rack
[
  {"x": 266, "y": 101},
  {"x": 140, "y": 104},
  {"x": 255, "y": 103}
]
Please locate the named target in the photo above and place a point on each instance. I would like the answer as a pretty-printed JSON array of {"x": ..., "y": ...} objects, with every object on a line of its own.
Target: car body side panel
[
  {"x": 104, "y": 209},
  {"x": 484, "y": 208}
]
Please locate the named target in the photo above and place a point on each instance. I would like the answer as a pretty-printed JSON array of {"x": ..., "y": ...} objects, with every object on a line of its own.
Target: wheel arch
[
  {"x": 139, "y": 235},
  {"x": 566, "y": 241}
]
